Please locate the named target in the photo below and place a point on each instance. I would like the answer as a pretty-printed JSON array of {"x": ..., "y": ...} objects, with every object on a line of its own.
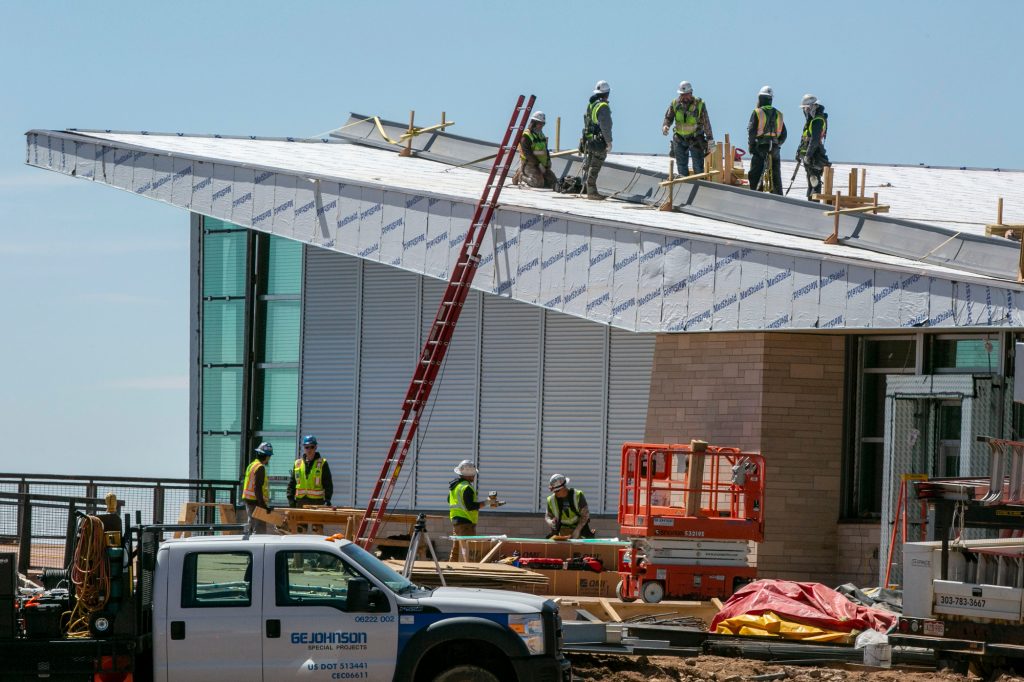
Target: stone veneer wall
[{"x": 780, "y": 394}]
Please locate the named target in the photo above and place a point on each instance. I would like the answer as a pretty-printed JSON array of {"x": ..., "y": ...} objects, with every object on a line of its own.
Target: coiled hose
[{"x": 90, "y": 574}]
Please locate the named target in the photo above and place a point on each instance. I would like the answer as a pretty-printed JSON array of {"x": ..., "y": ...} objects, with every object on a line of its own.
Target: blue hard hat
[
  {"x": 309, "y": 440},
  {"x": 264, "y": 448}
]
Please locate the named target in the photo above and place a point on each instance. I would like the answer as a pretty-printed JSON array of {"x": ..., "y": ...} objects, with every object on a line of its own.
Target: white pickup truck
[{"x": 301, "y": 607}]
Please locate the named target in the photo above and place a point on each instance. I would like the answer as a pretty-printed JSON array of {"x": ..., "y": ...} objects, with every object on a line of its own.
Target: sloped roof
[{"x": 611, "y": 262}]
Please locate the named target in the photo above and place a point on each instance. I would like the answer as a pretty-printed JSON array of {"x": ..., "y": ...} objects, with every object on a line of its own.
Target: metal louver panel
[
  {"x": 629, "y": 389},
  {"x": 573, "y": 437},
  {"x": 510, "y": 371},
  {"x": 329, "y": 352},
  {"x": 388, "y": 349},
  {"x": 447, "y": 432}
]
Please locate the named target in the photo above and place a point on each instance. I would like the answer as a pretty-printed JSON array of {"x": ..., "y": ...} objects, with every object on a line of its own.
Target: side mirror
[{"x": 358, "y": 595}]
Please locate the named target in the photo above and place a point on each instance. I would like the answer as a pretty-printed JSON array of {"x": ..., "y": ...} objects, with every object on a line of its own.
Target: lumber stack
[{"x": 466, "y": 574}]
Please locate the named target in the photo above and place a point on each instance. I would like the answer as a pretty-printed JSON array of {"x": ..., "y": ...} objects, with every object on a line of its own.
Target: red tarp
[{"x": 810, "y": 603}]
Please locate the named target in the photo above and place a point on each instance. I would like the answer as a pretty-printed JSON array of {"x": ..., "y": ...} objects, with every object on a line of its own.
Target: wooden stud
[
  {"x": 1020, "y": 262},
  {"x": 834, "y": 237},
  {"x": 853, "y": 183},
  {"x": 999, "y": 212},
  {"x": 728, "y": 154},
  {"x": 689, "y": 178},
  {"x": 863, "y": 181},
  {"x": 558, "y": 133},
  {"x": 667, "y": 205},
  {"x": 490, "y": 554},
  {"x": 875, "y": 202},
  {"x": 869, "y": 208},
  {"x": 828, "y": 181},
  {"x": 407, "y": 151}
]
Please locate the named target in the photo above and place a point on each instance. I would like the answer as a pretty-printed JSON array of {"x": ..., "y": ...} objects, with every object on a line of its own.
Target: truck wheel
[
  {"x": 620, "y": 589},
  {"x": 652, "y": 592},
  {"x": 466, "y": 673}
]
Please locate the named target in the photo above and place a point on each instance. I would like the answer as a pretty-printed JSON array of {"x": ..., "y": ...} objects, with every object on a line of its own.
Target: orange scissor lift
[{"x": 690, "y": 513}]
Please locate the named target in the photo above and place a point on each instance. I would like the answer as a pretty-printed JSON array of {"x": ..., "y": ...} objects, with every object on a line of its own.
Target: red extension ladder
[{"x": 441, "y": 331}]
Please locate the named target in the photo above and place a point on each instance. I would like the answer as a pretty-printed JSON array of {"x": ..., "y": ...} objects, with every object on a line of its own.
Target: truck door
[
  {"x": 311, "y": 632},
  {"x": 212, "y": 629}
]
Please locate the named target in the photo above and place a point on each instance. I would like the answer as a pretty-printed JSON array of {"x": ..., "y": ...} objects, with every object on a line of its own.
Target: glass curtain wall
[
  {"x": 277, "y": 340},
  {"x": 250, "y": 340}
]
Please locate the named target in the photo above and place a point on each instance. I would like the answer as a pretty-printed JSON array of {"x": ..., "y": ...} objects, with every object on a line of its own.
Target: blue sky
[{"x": 95, "y": 281}]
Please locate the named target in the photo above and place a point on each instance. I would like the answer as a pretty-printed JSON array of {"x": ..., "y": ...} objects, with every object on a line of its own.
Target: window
[
  {"x": 216, "y": 579},
  {"x": 874, "y": 358},
  {"x": 313, "y": 579},
  {"x": 965, "y": 355}
]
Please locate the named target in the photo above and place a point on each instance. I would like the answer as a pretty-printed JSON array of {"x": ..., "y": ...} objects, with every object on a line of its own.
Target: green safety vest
[
  {"x": 768, "y": 128},
  {"x": 309, "y": 486},
  {"x": 807, "y": 127},
  {"x": 687, "y": 116},
  {"x": 457, "y": 505},
  {"x": 538, "y": 143},
  {"x": 590, "y": 118},
  {"x": 249, "y": 482},
  {"x": 570, "y": 513}
]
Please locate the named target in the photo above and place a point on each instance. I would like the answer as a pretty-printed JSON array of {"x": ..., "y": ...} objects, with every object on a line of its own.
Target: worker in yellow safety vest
[
  {"x": 463, "y": 505},
  {"x": 692, "y": 137},
  {"x": 256, "y": 487},
  {"x": 567, "y": 511},
  {"x": 534, "y": 157},
  {"x": 596, "y": 141},
  {"x": 766, "y": 133},
  {"x": 310, "y": 482}
]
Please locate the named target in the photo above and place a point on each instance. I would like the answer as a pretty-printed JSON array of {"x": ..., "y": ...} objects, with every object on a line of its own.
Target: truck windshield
[{"x": 377, "y": 568}]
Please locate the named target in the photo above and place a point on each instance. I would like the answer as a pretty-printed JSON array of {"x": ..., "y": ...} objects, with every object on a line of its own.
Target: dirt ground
[{"x": 718, "y": 669}]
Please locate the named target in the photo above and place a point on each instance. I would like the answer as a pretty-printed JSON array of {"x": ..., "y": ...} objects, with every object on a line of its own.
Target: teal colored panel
[
  {"x": 973, "y": 353},
  {"x": 285, "y": 453},
  {"x": 285, "y": 271},
  {"x": 223, "y": 331},
  {"x": 217, "y": 225},
  {"x": 283, "y": 323},
  {"x": 222, "y": 399},
  {"x": 220, "y": 458},
  {"x": 280, "y": 399},
  {"x": 224, "y": 264}
]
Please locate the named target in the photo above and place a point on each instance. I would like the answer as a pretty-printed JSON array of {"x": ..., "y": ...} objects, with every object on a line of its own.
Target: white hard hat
[
  {"x": 466, "y": 468},
  {"x": 602, "y": 88},
  {"x": 685, "y": 88},
  {"x": 767, "y": 91},
  {"x": 557, "y": 481},
  {"x": 539, "y": 117},
  {"x": 808, "y": 100}
]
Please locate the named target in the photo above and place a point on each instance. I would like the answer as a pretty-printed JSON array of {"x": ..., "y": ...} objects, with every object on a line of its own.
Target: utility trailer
[
  {"x": 692, "y": 513},
  {"x": 964, "y": 598}
]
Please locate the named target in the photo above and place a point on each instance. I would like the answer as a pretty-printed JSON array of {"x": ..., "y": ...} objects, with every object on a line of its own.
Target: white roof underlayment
[
  {"x": 963, "y": 199},
  {"x": 611, "y": 262}
]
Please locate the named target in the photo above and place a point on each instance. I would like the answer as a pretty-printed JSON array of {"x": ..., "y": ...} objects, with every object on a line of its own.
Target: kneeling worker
[
  {"x": 256, "y": 487},
  {"x": 463, "y": 505},
  {"x": 568, "y": 513},
  {"x": 534, "y": 155}
]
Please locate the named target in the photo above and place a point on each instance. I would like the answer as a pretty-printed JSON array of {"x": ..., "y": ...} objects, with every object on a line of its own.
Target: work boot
[{"x": 596, "y": 196}]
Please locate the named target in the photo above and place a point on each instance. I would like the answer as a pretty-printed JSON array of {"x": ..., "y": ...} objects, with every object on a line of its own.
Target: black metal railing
[{"x": 37, "y": 511}]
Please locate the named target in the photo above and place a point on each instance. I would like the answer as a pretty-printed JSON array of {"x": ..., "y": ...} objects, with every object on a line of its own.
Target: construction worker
[
  {"x": 812, "y": 143},
  {"x": 766, "y": 133},
  {"x": 534, "y": 156},
  {"x": 310, "y": 480},
  {"x": 256, "y": 487},
  {"x": 596, "y": 142},
  {"x": 567, "y": 511},
  {"x": 463, "y": 506},
  {"x": 692, "y": 137}
]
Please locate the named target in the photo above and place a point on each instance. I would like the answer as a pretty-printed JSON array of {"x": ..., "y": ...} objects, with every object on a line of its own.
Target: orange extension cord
[{"x": 90, "y": 574}]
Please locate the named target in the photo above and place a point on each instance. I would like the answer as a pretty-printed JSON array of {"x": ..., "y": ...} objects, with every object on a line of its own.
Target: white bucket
[{"x": 878, "y": 655}]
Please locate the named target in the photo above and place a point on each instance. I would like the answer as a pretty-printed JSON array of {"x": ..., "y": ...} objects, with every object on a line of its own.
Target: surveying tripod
[{"x": 419, "y": 530}]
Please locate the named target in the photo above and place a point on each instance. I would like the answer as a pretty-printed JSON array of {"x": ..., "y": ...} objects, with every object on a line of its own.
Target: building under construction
[{"x": 848, "y": 349}]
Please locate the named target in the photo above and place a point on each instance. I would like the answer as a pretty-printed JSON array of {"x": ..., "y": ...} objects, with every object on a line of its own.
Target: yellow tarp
[{"x": 768, "y": 624}]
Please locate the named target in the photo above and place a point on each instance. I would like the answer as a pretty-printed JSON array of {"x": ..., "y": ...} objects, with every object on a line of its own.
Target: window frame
[{"x": 190, "y": 584}]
